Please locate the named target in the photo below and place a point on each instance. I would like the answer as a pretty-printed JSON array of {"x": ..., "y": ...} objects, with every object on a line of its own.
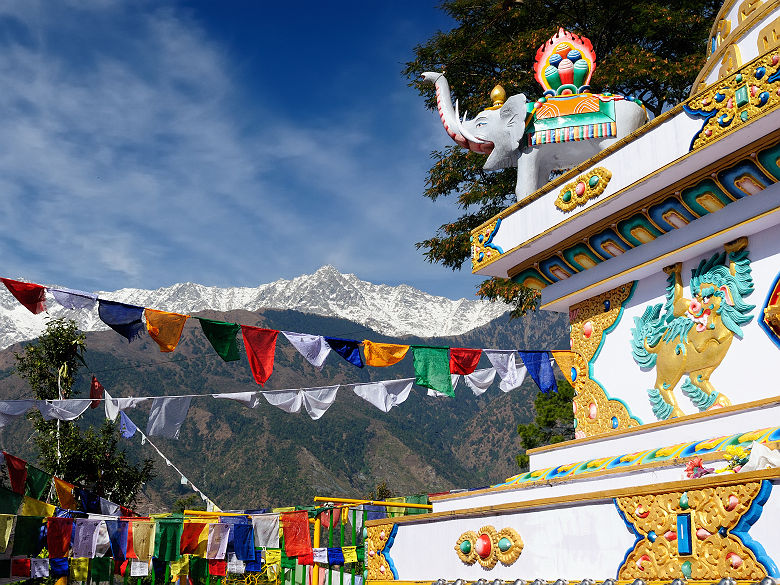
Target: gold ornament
[
  {"x": 715, "y": 552},
  {"x": 583, "y": 189},
  {"x": 483, "y": 251},
  {"x": 594, "y": 411},
  {"x": 376, "y": 563},
  {"x": 491, "y": 539},
  {"x": 498, "y": 97},
  {"x": 745, "y": 95}
]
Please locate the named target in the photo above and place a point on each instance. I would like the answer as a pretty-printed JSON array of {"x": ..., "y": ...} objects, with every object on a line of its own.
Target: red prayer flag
[
  {"x": 17, "y": 472},
  {"x": 120, "y": 567},
  {"x": 58, "y": 532},
  {"x": 95, "y": 391},
  {"x": 260, "y": 345},
  {"x": 307, "y": 559},
  {"x": 218, "y": 567},
  {"x": 20, "y": 567},
  {"x": 126, "y": 512},
  {"x": 295, "y": 529},
  {"x": 464, "y": 360},
  {"x": 32, "y": 296},
  {"x": 190, "y": 537}
]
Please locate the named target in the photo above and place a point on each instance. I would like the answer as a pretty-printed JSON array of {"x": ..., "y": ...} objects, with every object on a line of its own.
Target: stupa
[{"x": 662, "y": 243}]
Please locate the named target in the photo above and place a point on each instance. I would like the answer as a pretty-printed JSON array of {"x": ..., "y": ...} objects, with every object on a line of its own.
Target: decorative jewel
[
  {"x": 584, "y": 188},
  {"x": 489, "y": 546},
  {"x": 684, "y": 501},
  {"x": 686, "y": 569}
]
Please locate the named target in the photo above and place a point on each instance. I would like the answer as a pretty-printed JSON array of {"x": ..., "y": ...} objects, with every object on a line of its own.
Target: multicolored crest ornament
[{"x": 564, "y": 64}]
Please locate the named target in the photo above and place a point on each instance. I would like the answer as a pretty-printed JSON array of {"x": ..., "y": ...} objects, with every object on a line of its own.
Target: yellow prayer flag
[
  {"x": 6, "y": 526},
  {"x": 143, "y": 539},
  {"x": 283, "y": 510},
  {"x": 65, "y": 494},
  {"x": 566, "y": 361},
  {"x": 79, "y": 569},
  {"x": 180, "y": 567},
  {"x": 350, "y": 554},
  {"x": 395, "y": 511},
  {"x": 273, "y": 556},
  {"x": 33, "y": 507},
  {"x": 165, "y": 328},
  {"x": 383, "y": 354}
]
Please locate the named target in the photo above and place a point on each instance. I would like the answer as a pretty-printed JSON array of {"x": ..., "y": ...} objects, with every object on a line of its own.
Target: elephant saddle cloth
[{"x": 566, "y": 118}]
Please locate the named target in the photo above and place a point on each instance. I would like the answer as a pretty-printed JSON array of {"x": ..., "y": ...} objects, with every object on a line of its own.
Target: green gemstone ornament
[{"x": 504, "y": 544}]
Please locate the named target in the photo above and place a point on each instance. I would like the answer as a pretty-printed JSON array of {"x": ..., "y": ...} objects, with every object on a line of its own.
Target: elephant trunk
[{"x": 444, "y": 105}]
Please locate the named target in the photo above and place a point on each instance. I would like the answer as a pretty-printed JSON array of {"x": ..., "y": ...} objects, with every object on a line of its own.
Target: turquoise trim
[
  {"x": 386, "y": 551},
  {"x": 631, "y": 528},
  {"x": 747, "y": 520},
  {"x": 489, "y": 242},
  {"x": 601, "y": 344}
]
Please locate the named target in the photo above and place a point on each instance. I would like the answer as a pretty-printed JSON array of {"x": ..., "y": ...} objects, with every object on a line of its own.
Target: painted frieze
[{"x": 690, "y": 337}]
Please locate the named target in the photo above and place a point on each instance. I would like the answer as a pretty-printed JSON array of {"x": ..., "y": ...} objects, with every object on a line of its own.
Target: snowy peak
[{"x": 392, "y": 310}]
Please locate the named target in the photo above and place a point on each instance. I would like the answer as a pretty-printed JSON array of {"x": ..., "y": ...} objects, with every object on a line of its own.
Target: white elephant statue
[{"x": 501, "y": 131}]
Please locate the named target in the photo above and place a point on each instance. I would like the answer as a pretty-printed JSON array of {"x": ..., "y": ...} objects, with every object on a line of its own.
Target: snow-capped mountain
[{"x": 391, "y": 310}]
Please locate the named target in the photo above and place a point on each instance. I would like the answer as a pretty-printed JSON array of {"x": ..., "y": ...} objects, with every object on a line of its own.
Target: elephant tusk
[{"x": 463, "y": 132}]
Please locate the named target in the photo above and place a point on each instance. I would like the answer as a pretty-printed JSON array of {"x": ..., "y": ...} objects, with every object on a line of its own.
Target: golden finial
[{"x": 497, "y": 96}]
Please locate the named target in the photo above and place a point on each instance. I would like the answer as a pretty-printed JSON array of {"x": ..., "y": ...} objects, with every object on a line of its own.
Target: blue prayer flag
[
  {"x": 349, "y": 349},
  {"x": 540, "y": 368}
]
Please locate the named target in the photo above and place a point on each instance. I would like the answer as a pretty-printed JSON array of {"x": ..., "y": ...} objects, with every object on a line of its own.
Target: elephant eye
[{"x": 481, "y": 123}]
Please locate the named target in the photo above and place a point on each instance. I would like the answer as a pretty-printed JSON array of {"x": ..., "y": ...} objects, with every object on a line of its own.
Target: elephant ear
[{"x": 513, "y": 114}]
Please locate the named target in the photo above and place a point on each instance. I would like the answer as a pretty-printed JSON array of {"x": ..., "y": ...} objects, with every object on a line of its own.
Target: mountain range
[
  {"x": 392, "y": 310},
  {"x": 252, "y": 458}
]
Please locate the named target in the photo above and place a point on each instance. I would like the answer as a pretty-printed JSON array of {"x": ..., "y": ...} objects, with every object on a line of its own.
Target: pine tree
[
  {"x": 554, "y": 421},
  {"x": 649, "y": 50},
  {"x": 89, "y": 457}
]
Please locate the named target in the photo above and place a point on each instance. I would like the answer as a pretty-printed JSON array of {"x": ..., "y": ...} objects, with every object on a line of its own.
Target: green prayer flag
[
  {"x": 101, "y": 569},
  {"x": 432, "y": 368},
  {"x": 199, "y": 570},
  {"x": 9, "y": 501},
  {"x": 27, "y": 536},
  {"x": 167, "y": 538},
  {"x": 38, "y": 483},
  {"x": 288, "y": 562},
  {"x": 420, "y": 499},
  {"x": 222, "y": 336}
]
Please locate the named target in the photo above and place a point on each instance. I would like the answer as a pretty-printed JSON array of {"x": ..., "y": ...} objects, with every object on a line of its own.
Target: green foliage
[
  {"x": 91, "y": 457},
  {"x": 649, "y": 50},
  {"x": 554, "y": 421},
  {"x": 190, "y": 502},
  {"x": 381, "y": 493}
]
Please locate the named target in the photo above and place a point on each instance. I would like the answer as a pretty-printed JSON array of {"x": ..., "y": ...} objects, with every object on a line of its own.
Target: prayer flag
[
  {"x": 504, "y": 362},
  {"x": 218, "y": 540},
  {"x": 117, "y": 535},
  {"x": 33, "y": 507},
  {"x": 260, "y": 345},
  {"x": 20, "y": 567},
  {"x": 313, "y": 347},
  {"x": 540, "y": 368},
  {"x": 39, "y": 568},
  {"x": 244, "y": 542},
  {"x": 68, "y": 409},
  {"x": 266, "y": 528},
  {"x": 58, "y": 567},
  {"x": 180, "y": 568},
  {"x": 108, "y": 508},
  {"x": 199, "y": 571},
  {"x": 248, "y": 399},
  {"x": 383, "y": 354},
  {"x": 432, "y": 368},
  {"x": 295, "y": 528},
  {"x": 139, "y": 568},
  {"x": 37, "y": 483},
  {"x": 165, "y": 328},
  {"x": 480, "y": 380},
  {"x": 79, "y": 569},
  {"x": 222, "y": 337},
  {"x": 464, "y": 360},
  {"x": 85, "y": 536},
  {"x": 96, "y": 391},
  {"x": 217, "y": 567},
  {"x": 194, "y": 538},
  {"x": 124, "y": 319},
  {"x": 385, "y": 394},
  {"x": 320, "y": 554},
  {"x": 167, "y": 538},
  {"x": 167, "y": 415},
  {"x": 101, "y": 569},
  {"x": 73, "y": 299},
  {"x": 335, "y": 556},
  {"x": 32, "y": 296},
  {"x": 17, "y": 472},
  {"x": 350, "y": 554},
  {"x": 58, "y": 535},
  {"x": 316, "y": 400},
  {"x": 9, "y": 501},
  {"x": 65, "y": 494},
  {"x": 566, "y": 361},
  {"x": 349, "y": 349},
  {"x": 90, "y": 502},
  {"x": 10, "y": 410},
  {"x": 28, "y": 536},
  {"x": 6, "y": 526},
  {"x": 126, "y": 426}
]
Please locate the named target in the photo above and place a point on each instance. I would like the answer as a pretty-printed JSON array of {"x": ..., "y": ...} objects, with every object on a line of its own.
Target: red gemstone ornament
[{"x": 483, "y": 546}]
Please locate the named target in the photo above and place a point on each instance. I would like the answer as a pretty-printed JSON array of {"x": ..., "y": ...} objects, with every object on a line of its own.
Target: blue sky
[{"x": 227, "y": 143}]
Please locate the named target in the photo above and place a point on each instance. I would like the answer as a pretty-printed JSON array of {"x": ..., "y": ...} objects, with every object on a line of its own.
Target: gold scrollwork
[
  {"x": 482, "y": 252},
  {"x": 715, "y": 552},
  {"x": 594, "y": 412},
  {"x": 746, "y": 94},
  {"x": 583, "y": 189},
  {"x": 376, "y": 563}
]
